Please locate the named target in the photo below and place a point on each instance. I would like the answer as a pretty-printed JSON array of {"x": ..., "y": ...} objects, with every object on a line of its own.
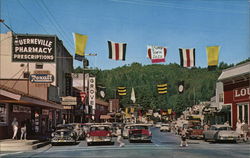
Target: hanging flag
[
  {"x": 162, "y": 88},
  {"x": 169, "y": 111},
  {"x": 122, "y": 91},
  {"x": 213, "y": 55},
  {"x": 133, "y": 95},
  {"x": 181, "y": 86},
  {"x": 187, "y": 57},
  {"x": 132, "y": 110},
  {"x": 157, "y": 54},
  {"x": 80, "y": 45},
  {"x": 126, "y": 111},
  {"x": 117, "y": 51}
]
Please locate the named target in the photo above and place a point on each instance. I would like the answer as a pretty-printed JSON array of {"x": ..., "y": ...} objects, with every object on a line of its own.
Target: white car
[
  {"x": 158, "y": 124},
  {"x": 165, "y": 127},
  {"x": 221, "y": 133}
]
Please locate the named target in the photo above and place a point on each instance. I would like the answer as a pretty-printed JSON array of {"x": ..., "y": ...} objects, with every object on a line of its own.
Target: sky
[{"x": 170, "y": 23}]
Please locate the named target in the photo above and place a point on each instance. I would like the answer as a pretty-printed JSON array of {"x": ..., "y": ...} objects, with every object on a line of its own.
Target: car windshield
[
  {"x": 65, "y": 133},
  {"x": 100, "y": 128},
  {"x": 64, "y": 127},
  {"x": 139, "y": 127},
  {"x": 197, "y": 127},
  {"x": 224, "y": 129}
]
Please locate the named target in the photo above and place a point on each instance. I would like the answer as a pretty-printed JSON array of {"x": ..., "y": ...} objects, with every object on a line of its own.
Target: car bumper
[
  {"x": 98, "y": 140},
  {"x": 196, "y": 136},
  {"x": 228, "y": 138},
  {"x": 140, "y": 138},
  {"x": 63, "y": 141}
]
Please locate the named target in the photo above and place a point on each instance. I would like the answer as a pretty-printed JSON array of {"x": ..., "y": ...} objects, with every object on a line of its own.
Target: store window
[
  {"x": 3, "y": 114},
  {"x": 243, "y": 112}
]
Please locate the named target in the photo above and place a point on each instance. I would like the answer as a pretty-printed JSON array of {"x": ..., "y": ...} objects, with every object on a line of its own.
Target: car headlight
[
  {"x": 52, "y": 134},
  {"x": 108, "y": 134},
  {"x": 88, "y": 135},
  {"x": 71, "y": 134}
]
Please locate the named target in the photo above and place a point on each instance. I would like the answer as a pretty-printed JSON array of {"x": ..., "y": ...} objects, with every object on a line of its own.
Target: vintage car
[
  {"x": 221, "y": 133},
  {"x": 195, "y": 132},
  {"x": 165, "y": 127},
  {"x": 64, "y": 134},
  {"x": 99, "y": 134},
  {"x": 139, "y": 132},
  {"x": 158, "y": 124}
]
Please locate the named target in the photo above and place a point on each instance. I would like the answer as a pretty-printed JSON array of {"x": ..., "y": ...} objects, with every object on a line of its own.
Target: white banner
[{"x": 92, "y": 89}]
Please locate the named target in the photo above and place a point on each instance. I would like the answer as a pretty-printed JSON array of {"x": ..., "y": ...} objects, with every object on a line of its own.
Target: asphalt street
[{"x": 163, "y": 145}]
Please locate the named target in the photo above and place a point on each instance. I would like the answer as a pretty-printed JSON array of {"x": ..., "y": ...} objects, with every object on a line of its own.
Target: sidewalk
[{"x": 21, "y": 145}]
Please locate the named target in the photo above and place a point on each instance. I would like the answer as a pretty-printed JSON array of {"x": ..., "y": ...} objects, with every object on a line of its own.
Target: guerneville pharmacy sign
[{"x": 32, "y": 48}]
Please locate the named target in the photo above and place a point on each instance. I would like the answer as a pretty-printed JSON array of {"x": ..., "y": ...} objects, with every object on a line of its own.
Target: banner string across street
[{"x": 157, "y": 54}]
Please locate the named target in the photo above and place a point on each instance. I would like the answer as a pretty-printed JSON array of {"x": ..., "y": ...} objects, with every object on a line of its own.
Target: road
[{"x": 165, "y": 145}]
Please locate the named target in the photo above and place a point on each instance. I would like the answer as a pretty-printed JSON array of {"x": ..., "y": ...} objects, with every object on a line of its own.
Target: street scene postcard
[{"x": 124, "y": 79}]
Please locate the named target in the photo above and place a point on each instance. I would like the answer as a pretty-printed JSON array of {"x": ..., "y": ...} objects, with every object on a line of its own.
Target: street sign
[
  {"x": 41, "y": 78},
  {"x": 69, "y": 100}
]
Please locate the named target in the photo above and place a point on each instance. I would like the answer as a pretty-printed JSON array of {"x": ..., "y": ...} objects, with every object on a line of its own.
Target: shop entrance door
[{"x": 243, "y": 112}]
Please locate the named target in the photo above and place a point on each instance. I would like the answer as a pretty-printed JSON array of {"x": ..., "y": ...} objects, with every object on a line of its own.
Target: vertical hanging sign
[{"x": 92, "y": 89}]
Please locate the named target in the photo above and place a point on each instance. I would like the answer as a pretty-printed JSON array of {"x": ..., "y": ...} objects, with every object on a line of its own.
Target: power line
[{"x": 32, "y": 16}]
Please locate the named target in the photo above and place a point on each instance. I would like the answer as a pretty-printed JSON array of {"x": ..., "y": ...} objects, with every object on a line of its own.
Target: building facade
[
  {"x": 35, "y": 71},
  {"x": 236, "y": 85}
]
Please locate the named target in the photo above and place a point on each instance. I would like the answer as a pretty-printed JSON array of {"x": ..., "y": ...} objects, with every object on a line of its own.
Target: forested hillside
[{"x": 199, "y": 84}]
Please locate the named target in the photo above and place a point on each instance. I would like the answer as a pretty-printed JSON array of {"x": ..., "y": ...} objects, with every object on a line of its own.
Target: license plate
[{"x": 61, "y": 140}]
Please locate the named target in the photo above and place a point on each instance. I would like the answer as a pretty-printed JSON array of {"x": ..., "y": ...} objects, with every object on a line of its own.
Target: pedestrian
[
  {"x": 239, "y": 128},
  {"x": 206, "y": 127},
  {"x": 23, "y": 130},
  {"x": 15, "y": 127},
  {"x": 119, "y": 137},
  {"x": 226, "y": 123},
  {"x": 183, "y": 138},
  {"x": 245, "y": 130}
]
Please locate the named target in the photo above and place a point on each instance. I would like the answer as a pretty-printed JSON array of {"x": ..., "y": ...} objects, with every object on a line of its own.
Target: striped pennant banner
[
  {"x": 117, "y": 51},
  {"x": 162, "y": 88},
  {"x": 187, "y": 57},
  {"x": 122, "y": 91}
]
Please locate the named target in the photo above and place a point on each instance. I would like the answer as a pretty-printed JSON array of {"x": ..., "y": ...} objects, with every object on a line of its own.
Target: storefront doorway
[{"x": 243, "y": 112}]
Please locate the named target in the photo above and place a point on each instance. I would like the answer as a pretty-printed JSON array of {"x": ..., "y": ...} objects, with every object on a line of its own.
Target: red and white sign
[
  {"x": 241, "y": 94},
  {"x": 83, "y": 96}
]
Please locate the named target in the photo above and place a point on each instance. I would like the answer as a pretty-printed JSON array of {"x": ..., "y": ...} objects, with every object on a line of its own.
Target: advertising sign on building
[
  {"x": 41, "y": 78},
  {"x": 31, "y": 48},
  {"x": 242, "y": 93},
  {"x": 92, "y": 89}
]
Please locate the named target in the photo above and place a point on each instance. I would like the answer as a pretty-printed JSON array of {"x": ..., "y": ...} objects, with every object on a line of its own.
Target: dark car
[
  {"x": 64, "y": 134},
  {"x": 139, "y": 132}
]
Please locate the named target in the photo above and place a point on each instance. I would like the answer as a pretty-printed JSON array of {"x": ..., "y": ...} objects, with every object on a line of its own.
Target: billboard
[{"x": 31, "y": 48}]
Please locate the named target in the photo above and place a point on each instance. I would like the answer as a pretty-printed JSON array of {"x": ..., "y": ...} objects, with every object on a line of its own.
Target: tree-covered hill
[{"x": 199, "y": 84}]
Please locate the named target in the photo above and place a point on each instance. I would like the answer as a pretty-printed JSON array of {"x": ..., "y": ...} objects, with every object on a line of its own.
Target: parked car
[
  {"x": 158, "y": 124},
  {"x": 64, "y": 134},
  {"x": 99, "y": 134},
  {"x": 165, "y": 127},
  {"x": 139, "y": 132},
  {"x": 195, "y": 132},
  {"x": 221, "y": 133}
]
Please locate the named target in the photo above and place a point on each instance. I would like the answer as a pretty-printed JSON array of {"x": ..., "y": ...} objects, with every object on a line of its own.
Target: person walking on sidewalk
[
  {"x": 23, "y": 130},
  {"x": 245, "y": 130},
  {"x": 183, "y": 137},
  {"x": 239, "y": 128},
  {"x": 15, "y": 128},
  {"x": 119, "y": 137}
]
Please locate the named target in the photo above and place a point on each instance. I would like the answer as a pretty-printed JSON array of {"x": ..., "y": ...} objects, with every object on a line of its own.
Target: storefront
[
  {"x": 39, "y": 115},
  {"x": 236, "y": 84}
]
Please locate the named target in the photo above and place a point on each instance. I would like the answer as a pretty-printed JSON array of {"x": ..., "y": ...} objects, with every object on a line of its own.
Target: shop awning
[
  {"x": 13, "y": 97},
  {"x": 236, "y": 71},
  {"x": 105, "y": 117}
]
